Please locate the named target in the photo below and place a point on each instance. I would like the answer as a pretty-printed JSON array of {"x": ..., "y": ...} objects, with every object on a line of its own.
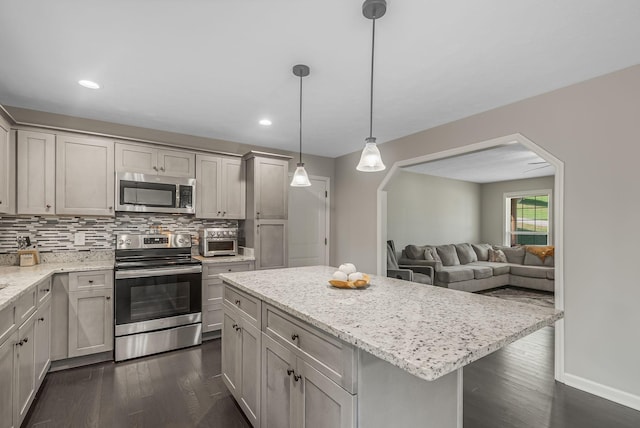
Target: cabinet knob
[
  {"x": 295, "y": 337},
  {"x": 238, "y": 328},
  {"x": 224, "y": 213},
  {"x": 229, "y": 270},
  {"x": 44, "y": 290},
  {"x": 238, "y": 302},
  {"x": 108, "y": 297},
  {"x": 48, "y": 206},
  {"x": 110, "y": 208},
  {"x": 257, "y": 215},
  {"x": 218, "y": 212},
  {"x": 91, "y": 281},
  {"x": 155, "y": 168},
  {"x": 40, "y": 319},
  {"x": 161, "y": 168},
  {"x": 26, "y": 339},
  {"x": 297, "y": 377},
  {"x": 19, "y": 343},
  {"x": 290, "y": 372}
]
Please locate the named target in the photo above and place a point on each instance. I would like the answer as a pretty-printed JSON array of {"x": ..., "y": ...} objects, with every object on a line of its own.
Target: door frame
[
  {"x": 558, "y": 215},
  {"x": 327, "y": 214}
]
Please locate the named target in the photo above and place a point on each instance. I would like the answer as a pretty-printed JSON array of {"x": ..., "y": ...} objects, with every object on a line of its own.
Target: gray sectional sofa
[{"x": 467, "y": 267}]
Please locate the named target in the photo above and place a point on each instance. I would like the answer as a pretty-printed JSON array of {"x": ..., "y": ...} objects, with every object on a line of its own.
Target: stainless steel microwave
[{"x": 155, "y": 193}]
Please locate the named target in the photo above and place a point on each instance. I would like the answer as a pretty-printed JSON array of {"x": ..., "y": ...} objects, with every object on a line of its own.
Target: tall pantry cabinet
[{"x": 267, "y": 205}]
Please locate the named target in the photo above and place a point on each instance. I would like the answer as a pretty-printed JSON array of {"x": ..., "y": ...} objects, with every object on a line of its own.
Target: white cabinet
[
  {"x": 43, "y": 341},
  {"x": 25, "y": 368},
  {"x": 84, "y": 176},
  {"x": 36, "y": 173},
  {"x": 7, "y": 384},
  {"x": 7, "y": 169},
  {"x": 152, "y": 160},
  {"x": 220, "y": 187},
  {"x": 90, "y": 312},
  {"x": 267, "y": 198},
  {"x": 241, "y": 350},
  {"x": 212, "y": 292}
]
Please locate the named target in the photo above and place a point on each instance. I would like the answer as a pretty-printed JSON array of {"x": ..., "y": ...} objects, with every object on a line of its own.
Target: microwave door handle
[{"x": 177, "y": 196}]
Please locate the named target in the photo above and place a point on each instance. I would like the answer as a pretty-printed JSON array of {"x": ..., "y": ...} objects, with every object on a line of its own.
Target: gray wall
[
  {"x": 492, "y": 214},
  {"x": 593, "y": 128},
  {"x": 423, "y": 209}
]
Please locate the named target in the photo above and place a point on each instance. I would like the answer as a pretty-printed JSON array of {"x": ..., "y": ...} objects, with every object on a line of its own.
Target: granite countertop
[
  {"x": 225, "y": 259},
  {"x": 427, "y": 331},
  {"x": 18, "y": 280}
]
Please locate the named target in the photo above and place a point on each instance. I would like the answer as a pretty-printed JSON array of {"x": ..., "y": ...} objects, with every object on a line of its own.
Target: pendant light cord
[
  {"x": 300, "y": 119},
  {"x": 373, "y": 43}
]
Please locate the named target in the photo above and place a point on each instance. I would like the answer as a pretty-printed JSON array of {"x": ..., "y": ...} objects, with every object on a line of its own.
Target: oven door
[{"x": 157, "y": 298}]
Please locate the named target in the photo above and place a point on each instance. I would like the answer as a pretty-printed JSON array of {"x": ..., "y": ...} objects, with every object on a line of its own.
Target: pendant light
[
  {"x": 300, "y": 177},
  {"x": 370, "y": 160}
]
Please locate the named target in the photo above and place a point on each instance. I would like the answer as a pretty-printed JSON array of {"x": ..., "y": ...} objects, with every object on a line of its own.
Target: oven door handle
[{"x": 142, "y": 273}]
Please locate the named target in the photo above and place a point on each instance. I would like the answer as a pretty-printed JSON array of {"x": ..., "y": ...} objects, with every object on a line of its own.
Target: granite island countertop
[
  {"x": 225, "y": 259},
  {"x": 427, "y": 331},
  {"x": 18, "y": 280}
]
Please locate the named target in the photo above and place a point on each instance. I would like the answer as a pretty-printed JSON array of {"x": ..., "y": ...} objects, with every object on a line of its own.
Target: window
[{"x": 528, "y": 218}]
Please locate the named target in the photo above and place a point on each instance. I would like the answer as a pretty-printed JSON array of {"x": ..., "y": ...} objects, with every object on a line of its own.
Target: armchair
[{"x": 421, "y": 274}]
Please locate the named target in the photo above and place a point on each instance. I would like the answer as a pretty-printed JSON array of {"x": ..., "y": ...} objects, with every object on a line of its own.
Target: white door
[{"x": 308, "y": 224}]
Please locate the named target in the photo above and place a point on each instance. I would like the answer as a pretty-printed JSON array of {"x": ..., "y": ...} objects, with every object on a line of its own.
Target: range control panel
[{"x": 168, "y": 240}]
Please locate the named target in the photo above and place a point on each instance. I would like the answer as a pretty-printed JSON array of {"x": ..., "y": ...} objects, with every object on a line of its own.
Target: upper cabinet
[
  {"x": 84, "y": 176},
  {"x": 36, "y": 173},
  {"x": 7, "y": 169},
  {"x": 147, "y": 159},
  {"x": 220, "y": 187},
  {"x": 268, "y": 179}
]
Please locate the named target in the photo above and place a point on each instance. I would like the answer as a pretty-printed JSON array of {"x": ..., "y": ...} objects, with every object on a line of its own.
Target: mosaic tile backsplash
[{"x": 57, "y": 233}]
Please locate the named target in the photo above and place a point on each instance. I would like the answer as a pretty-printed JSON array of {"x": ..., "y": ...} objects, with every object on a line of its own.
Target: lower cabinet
[
  {"x": 25, "y": 367},
  {"x": 295, "y": 394},
  {"x": 43, "y": 341},
  {"x": 8, "y": 371},
  {"x": 90, "y": 322},
  {"x": 241, "y": 349}
]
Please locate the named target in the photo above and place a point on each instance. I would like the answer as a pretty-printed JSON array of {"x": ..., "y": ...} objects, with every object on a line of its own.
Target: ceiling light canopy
[
  {"x": 265, "y": 122},
  {"x": 371, "y": 160},
  {"x": 300, "y": 177},
  {"x": 89, "y": 84}
]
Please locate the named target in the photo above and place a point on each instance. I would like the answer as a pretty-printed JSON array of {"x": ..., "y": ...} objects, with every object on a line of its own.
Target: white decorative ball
[
  {"x": 355, "y": 276},
  {"x": 347, "y": 268},
  {"x": 340, "y": 276}
]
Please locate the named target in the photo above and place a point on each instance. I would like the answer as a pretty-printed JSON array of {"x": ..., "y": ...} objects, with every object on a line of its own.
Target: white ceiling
[
  {"x": 510, "y": 162},
  {"x": 214, "y": 68}
]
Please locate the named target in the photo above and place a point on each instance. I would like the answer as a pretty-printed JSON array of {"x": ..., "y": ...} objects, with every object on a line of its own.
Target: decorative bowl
[{"x": 360, "y": 283}]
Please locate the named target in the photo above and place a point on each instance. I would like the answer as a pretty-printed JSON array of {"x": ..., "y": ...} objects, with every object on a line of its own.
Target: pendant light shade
[
  {"x": 371, "y": 160},
  {"x": 300, "y": 177}
]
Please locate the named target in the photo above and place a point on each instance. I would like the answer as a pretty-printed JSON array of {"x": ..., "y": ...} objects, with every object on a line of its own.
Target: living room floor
[
  {"x": 511, "y": 388},
  {"x": 523, "y": 295}
]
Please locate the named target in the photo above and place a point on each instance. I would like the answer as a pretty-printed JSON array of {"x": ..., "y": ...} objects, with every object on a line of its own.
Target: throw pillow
[
  {"x": 466, "y": 254},
  {"x": 514, "y": 254},
  {"x": 482, "y": 251},
  {"x": 414, "y": 252},
  {"x": 430, "y": 253},
  {"x": 497, "y": 256},
  {"x": 448, "y": 255}
]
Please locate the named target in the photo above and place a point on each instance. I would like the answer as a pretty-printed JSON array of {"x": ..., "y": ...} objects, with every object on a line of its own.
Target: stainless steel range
[{"x": 158, "y": 295}]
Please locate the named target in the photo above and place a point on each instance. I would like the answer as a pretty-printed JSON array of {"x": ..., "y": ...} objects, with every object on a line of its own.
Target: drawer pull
[
  {"x": 238, "y": 302},
  {"x": 229, "y": 270},
  {"x": 295, "y": 337},
  {"x": 40, "y": 319},
  {"x": 91, "y": 281},
  {"x": 236, "y": 327},
  {"x": 108, "y": 297},
  {"x": 44, "y": 290},
  {"x": 26, "y": 339},
  {"x": 297, "y": 377},
  {"x": 290, "y": 372}
]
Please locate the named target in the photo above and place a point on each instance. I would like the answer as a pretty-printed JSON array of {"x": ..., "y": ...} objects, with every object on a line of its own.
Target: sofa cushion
[
  {"x": 539, "y": 255},
  {"x": 551, "y": 274},
  {"x": 430, "y": 253},
  {"x": 514, "y": 254},
  {"x": 498, "y": 268},
  {"x": 466, "y": 254},
  {"x": 530, "y": 271},
  {"x": 455, "y": 274},
  {"x": 482, "y": 251},
  {"x": 448, "y": 255},
  {"x": 414, "y": 252},
  {"x": 497, "y": 256},
  {"x": 480, "y": 272}
]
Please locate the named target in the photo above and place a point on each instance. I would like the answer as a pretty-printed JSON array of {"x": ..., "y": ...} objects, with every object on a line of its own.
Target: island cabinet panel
[
  {"x": 36, "y": 173},
  {"x": 231, "y": 351},
  {"x": 278, "y": 364}
]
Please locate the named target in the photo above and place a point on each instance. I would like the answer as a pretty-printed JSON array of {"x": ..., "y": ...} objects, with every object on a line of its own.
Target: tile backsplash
[{"x": 57, "y": 233}]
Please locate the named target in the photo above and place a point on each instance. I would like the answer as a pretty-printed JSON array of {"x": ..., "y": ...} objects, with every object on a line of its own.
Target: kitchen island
[{"x": 399, "y": 347}]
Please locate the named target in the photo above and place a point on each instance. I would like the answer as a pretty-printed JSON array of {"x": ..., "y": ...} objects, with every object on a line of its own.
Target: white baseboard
[{"x": 612, "y": 394}]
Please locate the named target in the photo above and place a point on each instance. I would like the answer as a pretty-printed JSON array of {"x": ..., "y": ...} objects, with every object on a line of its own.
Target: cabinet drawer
[
  {"x": 212, "y": 270},
  {"x": 332, "y": 357},
  {"x": 79, "y": 281},
  {"x": 212, "y": 316},
  {"x": 212, "y": 291},
  {"x": 44, "y": 290},
  {"x": 25, "y": 306},
  {"x": 248, "y": 306},
  {"x": 7, "y": 322}
]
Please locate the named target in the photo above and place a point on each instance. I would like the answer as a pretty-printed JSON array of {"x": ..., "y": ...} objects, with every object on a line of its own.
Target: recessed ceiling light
[
  {"x": 265, "y": 122},
  {"x": 89, "y": 84}
]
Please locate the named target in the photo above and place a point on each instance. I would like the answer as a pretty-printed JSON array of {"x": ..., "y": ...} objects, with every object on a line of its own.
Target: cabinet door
[
  {"x": 212, "y": 317},
  {"x": 278, "y": 364},
  {"x": 324, "y": 404},
  {"x": 271, "y": 188},
  {"x": 43, "y": 341},
  {"x": 84, "y": 176},
  {"x": 271, "y": 244},
  {"x": 136, "y": 158},
  {"x": 26, "y": 367},
  {"x": 176, "y": 163},
  {"x": 231, "y": 352},
  {"x": 233, "y": 190},
  {"x": 7, "y": 169},
  {"x": 208, "y": 182},
  {"x": 7, "y": 383},
  {"x": 36, "y": 173},
  {"x": 250, "y": 340},
  {"x": 90, "y": 322}
]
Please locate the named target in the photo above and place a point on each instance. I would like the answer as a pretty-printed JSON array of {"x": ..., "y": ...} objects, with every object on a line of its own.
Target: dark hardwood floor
[{"x": 511, "y": 388}]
